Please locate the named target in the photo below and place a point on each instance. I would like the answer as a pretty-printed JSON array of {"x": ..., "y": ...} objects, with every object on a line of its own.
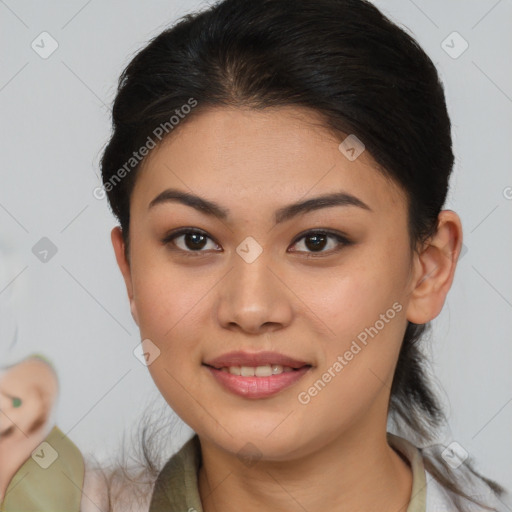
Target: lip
[
  {"x": 241, "y": 358},
  {"x": 257, "y": 387}
]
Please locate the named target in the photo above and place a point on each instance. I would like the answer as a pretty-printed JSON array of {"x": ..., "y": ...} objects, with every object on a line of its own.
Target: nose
[{"x": 254, "y": 298}]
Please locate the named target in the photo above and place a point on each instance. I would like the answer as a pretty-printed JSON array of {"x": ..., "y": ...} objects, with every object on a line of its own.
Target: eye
[
  {"x": 193, "y": 241},
  {"x": 188, "y": 240},
  {"x": 316, "y": 241}
]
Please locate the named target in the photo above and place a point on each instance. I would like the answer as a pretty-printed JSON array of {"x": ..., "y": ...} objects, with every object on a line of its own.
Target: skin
[
  {"x": 34, "y": 382},
  {"x": 193, "y": 308}
]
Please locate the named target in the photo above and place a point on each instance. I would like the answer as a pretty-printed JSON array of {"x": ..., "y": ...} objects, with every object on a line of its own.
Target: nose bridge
[
  {"x": 253, "y": 295},
  {"x": 251, "y": 273}
]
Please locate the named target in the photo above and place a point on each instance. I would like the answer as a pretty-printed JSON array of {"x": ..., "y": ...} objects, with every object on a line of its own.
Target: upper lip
[{"x": 254, "y": 359}]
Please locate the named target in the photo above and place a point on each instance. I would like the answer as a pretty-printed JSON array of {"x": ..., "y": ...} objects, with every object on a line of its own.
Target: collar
[
  {"x": 176, "y": 487},
  {"x": 56, "y": 463}
]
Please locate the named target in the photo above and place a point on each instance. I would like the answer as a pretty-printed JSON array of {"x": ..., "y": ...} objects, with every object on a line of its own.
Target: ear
[
  {"x": 116, "y": 236},
  {"x": 434, "y": 269}
]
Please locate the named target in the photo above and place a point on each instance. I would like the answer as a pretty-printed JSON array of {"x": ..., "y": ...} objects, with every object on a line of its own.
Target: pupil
[
  {"x": 320, "y": 241},
  {"x": 194, "y": 237}
]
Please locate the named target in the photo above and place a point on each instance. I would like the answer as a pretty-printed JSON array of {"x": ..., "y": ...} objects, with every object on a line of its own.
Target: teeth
[{"x": 258, "y": 371}]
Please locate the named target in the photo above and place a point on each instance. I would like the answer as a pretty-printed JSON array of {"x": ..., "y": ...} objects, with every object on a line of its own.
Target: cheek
[
  {"x": 353, "y": 299},
  {"x": 168, "y": 297},
  {"x": 368, "y": 322},
  {"x": 171, "y": 311},
  {"x": 365, "y": 309},
  {"x": 355, "y": 373}
]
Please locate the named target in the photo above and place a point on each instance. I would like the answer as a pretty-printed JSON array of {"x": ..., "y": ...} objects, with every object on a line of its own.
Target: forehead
[{"x": 279, "y": 154}]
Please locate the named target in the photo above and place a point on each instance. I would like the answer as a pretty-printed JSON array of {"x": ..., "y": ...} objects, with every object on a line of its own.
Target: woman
[{"x": 284, "y": 247}]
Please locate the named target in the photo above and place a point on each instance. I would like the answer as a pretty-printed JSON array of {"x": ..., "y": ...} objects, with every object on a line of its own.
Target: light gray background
[{"x": 73, "y": 308}]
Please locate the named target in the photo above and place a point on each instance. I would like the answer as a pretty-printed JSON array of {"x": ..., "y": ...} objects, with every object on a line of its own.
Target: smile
[{"x": 257, "y": 382}]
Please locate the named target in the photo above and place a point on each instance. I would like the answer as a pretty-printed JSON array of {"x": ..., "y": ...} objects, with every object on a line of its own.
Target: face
[{"x": 327, "y": 285}]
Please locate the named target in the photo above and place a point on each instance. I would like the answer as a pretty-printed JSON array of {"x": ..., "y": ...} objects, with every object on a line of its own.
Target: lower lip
[{"x": 257, "y": 387}]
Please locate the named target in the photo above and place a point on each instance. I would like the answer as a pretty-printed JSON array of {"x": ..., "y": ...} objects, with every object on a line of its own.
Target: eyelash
[{"x": 341, "y": 239}]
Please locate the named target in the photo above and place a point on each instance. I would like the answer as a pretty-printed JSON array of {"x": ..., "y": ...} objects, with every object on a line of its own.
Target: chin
[{"x": 253, "y": 441}]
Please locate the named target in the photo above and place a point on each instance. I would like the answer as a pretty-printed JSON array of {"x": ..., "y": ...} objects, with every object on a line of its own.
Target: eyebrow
[{"x": 172, "y": 195}]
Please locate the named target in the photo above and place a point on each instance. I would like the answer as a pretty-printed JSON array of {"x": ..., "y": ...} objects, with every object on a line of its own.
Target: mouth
[
  {"x": 256, "y": 360},
  {"x": 257, "y": 382},
  {"x": 256, "y": 375}
]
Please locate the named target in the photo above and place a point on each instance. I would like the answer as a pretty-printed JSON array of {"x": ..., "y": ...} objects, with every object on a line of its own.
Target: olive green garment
[
  {"x": 53, "y": 484},
  {"x": 176, "y": 488}
]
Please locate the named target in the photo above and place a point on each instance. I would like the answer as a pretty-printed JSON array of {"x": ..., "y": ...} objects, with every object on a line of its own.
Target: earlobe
[
  {"x": 434, "y": 269},
  {"x": 133, "y": 309},
  {"x": 118, "y": 244}
]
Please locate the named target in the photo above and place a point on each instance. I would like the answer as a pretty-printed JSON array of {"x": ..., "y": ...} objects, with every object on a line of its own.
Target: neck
[{"x": 357, "y": 471}]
